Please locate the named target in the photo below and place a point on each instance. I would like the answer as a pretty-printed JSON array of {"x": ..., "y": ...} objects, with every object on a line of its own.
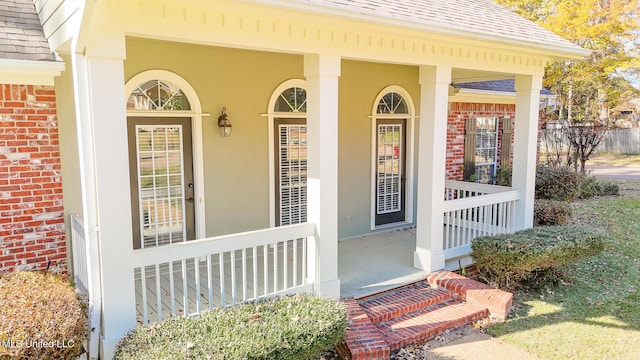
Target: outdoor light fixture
[{"x": 224, "y": 125}]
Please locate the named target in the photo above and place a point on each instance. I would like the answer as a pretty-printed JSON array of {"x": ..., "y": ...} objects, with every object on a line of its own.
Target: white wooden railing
[
  {"x": 80, "y": 254},
  {"x": 187, "y": 278},
  {"x": 86, "y": 278},
  {"x": 472, "y": 210}
]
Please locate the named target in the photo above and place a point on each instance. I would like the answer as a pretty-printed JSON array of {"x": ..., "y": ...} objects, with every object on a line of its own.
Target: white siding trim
[{"x": 29, "y": 72}]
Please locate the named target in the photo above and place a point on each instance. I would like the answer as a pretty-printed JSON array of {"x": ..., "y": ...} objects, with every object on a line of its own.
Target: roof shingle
[
  {"x": 506, "y": 86},
  {"x": 21, "y": 35},
  {"x": 483, "y": 18}
]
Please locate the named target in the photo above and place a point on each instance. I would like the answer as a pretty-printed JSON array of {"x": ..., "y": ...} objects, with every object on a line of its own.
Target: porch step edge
[
  {"x": 498, "y": 302},
  {"x": 429, "y": 322},
  {"x": 363, "y": 340},
  {"x": 406, "y": 300}
]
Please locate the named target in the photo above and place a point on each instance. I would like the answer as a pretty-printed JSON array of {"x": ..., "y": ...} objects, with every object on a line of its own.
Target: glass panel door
[
  {"x": 390, "y": 171},
  {"x": 291, "y": 172},
  {"x": 162, "y": 188}
]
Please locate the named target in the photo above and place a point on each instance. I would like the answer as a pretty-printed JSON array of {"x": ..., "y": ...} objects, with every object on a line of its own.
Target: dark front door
[
  {"x": 390, "y": 171},
  {"x": 161, "y": 174}
]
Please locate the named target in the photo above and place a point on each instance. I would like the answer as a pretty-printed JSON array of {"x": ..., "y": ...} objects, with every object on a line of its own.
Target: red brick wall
[
  {"x": 458, "y": 114},
  {"x": 31, "y": 213}
]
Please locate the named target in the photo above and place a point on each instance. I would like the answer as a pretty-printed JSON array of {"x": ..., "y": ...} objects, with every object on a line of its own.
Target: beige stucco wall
[
  {"x": 236, "y": 168},
  {"x": 360, "y": 84}
]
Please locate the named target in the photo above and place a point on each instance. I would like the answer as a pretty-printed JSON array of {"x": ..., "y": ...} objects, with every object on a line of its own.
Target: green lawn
[{"x": 595, "y": 312}]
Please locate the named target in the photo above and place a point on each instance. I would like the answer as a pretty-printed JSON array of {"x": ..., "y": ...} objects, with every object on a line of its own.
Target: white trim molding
[
  {"x": 410, "y": 150},
  {"x": 196, "y": 115},
  {"x": 271, "y": 115},
  {"x": 29, "y": 72}
]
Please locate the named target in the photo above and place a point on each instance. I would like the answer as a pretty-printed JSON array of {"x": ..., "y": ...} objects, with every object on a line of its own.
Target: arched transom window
[
  {"x": 293, "y": 99},
  {"x": 158, "y": 95},
  {"x": 392, "y": 103}
]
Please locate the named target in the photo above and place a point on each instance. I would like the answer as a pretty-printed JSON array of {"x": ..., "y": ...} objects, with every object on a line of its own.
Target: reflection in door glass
[{"x": 160, "y": 184}]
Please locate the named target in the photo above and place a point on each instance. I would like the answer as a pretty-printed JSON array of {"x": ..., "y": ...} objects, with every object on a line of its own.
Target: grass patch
[
  {"x": 595, "y": 312},
  {"x": 615, "y": 159}
]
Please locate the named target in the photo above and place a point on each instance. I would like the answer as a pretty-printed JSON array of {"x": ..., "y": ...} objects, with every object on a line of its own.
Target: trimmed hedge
[
  {"x": 550, "y": 212},
  {"x": 557, "y": 183},
  {"x": 508, "y": 261},
  {"x": 287, "y": 328},
  {"x": 40, "y": 317}
]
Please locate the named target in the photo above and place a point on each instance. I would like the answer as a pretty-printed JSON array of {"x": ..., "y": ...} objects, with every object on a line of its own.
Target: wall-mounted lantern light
[{"x": 224, "y": 125}]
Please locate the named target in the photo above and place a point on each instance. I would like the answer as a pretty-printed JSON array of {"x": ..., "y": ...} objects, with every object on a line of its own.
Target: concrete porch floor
[{"x": 376, "y": 262}]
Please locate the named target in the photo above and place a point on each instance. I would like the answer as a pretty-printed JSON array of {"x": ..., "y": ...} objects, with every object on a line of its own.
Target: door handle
[{"x": 189, "y": 199}]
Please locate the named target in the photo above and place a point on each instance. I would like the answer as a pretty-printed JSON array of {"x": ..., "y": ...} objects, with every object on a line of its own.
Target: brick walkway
[{"x": 385, "y": 322}]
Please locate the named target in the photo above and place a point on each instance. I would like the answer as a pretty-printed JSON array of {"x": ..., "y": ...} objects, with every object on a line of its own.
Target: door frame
[
  {"x": 271, "y": 116},
  {"x": 196, "y": 115},
  {"x": 408, "y": 197}
]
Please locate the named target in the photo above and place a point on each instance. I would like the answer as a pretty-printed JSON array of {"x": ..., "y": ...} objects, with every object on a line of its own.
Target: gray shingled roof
[
  {"x": 506, "y": 86},
  {"x": 482, "y": 18},
  {"x": 21, "y": 35}
]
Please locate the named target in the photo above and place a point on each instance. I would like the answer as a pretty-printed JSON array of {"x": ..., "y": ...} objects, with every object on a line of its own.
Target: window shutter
[
  {"x": 469, "y": 148},
  {"x": 505, "y": 146}
]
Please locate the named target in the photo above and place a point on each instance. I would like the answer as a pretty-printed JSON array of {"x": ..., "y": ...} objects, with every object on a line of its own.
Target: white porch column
[
  {"x": 322, "y": 72},
  {"x": 432, "y": 143},
  {"x": 524, "y": 146},
  {"x": 101, "y": 117}
]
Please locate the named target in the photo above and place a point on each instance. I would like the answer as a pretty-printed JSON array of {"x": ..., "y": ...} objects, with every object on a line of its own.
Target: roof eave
[
  {"x": 29, "y": 72},
  {"x": 556, "y": 52}
]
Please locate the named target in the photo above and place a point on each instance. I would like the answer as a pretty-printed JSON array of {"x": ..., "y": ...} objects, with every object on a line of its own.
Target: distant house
[{"x": 213, "y": 152}]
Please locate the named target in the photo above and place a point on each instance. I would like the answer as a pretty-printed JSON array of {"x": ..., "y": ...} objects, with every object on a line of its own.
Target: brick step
[
  {"x": 393, "y": 304},
  {"x": 362, "y": 341},
  {"x": 429, "y": 322}
]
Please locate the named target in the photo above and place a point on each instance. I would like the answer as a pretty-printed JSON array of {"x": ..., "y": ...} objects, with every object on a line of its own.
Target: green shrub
[
  {"x": 40, "y": 317},
  {"x": 510, "y": 260},
  {"x": 290, "y": 327},
  {"x": 589, "y": 186},
  {"x": 503, "y": 176},
  {"x": 550, "y": 212},
  {"x": 608, "y": 188},
  {"x": 557, "y": 183}
]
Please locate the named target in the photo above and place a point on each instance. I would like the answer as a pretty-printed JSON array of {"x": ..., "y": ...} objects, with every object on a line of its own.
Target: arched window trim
[
  {"x": 410, "y": 116},
  {"x": 271, "y": 115}
]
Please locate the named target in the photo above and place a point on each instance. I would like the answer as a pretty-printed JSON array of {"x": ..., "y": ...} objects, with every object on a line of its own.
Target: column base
[
  {"x": 330, "y": 288},
  {"x": 427, "y": 261},
  {"x": 107, "y": 348}
]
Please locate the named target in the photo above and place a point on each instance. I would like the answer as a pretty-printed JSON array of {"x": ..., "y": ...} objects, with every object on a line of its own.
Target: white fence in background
[
  {"x": 187, "y": 278},
  {"x": 472, "y": 210}
]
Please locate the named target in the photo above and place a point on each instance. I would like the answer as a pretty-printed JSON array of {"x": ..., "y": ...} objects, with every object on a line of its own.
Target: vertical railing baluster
[
  {"x": 196, "y": 265},
  {"x": 275, "y": 268},
  {"x": 285, "y": 261},
  {"x": 158, "y": 292},
  {"x": 172, "y": 289},
  {"x": 234, "y": 300},
  {"x": 145, "y": 306},
  {"x": 265, "y": 256},
  {"x": 185, "y": 295},
  {"x": 222, "y": 287},
  {"x": 255, "y": 272},
  {"x": 295, "y": 262},
  {"x": 244, "y": 274},
  {"x": 210, "y": 281}
]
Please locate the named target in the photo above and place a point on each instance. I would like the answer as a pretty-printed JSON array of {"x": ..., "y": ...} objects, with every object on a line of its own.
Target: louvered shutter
[
  {"x": 469, "y": 148},
  {"x": 505, "y": 146}
]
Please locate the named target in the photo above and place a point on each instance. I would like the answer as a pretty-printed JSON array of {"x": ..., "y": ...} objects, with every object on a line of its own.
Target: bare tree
[{"x": 583, "y": 140}]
